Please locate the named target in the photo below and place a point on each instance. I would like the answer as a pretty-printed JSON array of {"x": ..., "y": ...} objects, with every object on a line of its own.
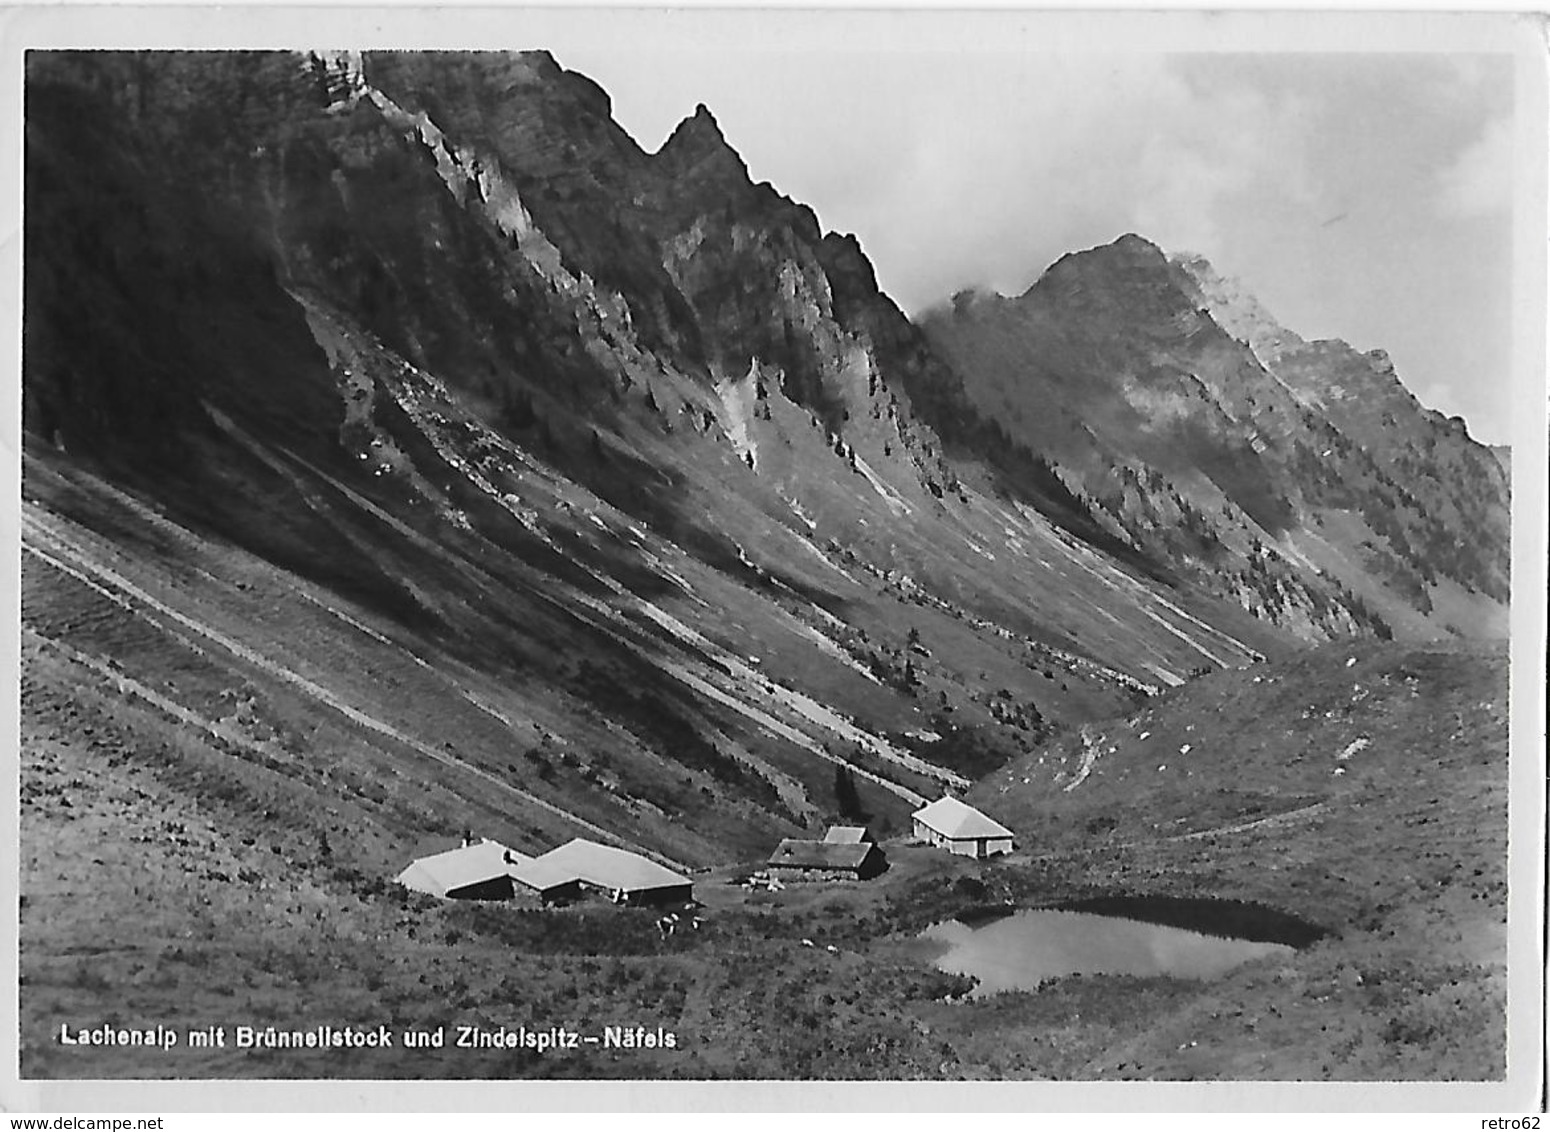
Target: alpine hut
[
  {"x": 959, "y": 828},
  {"x": 476, "y": 870},
  {"x": 625, "y": 877},
  {"x": 826, "y": 860}
]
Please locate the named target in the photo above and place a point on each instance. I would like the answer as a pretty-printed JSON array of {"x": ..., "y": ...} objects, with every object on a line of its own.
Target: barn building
[
  {"x": 959, "y": 828},
  {"x": 488, "y": 870},
  {"x": 477, "y": 870},
  {"x": 626, "y": 877},
  {"x": 825, "y": 860}
]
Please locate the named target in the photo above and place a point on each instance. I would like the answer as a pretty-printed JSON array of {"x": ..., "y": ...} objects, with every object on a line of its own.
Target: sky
[{"x": 1360, "y": 196}]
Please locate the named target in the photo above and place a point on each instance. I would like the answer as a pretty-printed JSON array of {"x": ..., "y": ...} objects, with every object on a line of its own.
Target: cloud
[
  {"x": 1008, "y": 164},
  {"x": 1211, "y": 149},
  {"x": 1479, "y": 181}
]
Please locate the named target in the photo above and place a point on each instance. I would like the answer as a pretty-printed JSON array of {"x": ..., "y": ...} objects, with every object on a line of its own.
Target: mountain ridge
[
  {"x": 1164, "y": 355},
  {"x": 592, "y": 420}
]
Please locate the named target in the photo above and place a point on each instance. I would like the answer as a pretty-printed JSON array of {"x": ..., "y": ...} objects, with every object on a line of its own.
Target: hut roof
[
  {"x": 542, "y": 875},
  {"x": 846, "y": 834},
  {"x": 607, "y": 867},
  {"x": 441, "y": 873},
  {"x": 959, "y": 821},
  {"x": 795, "y": 854}
]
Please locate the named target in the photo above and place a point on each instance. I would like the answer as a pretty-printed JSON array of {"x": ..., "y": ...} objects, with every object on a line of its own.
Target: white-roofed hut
[
  {"x": 848, "y": 835},
  {"x": 480, "y": 870},
  {"x": 959, "y": 828},
  {"x": 626, "y": 877}
]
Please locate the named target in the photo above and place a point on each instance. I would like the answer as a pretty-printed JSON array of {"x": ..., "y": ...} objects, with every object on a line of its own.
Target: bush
[{"x": 972, "y": 887}]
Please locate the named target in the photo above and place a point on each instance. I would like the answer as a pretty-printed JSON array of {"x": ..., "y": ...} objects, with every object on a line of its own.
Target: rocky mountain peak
[
  {"x": 1152, "y": 379},
  {"x": 1128, "y": 254},
  {"x": 1133, "y": 245},
  {"x": 1129, "y": 279},
  {"x": 701, "y": 119},
  {"x": 698, "y": 144}
]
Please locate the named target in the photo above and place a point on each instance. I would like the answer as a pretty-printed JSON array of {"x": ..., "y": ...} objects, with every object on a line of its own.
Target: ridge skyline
[
  {"x": 703, "y": 121},
  {"x": 1367, "y": 288}
]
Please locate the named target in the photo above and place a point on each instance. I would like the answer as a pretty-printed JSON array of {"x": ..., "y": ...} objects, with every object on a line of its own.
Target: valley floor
[{"x": 167, "y": 883}]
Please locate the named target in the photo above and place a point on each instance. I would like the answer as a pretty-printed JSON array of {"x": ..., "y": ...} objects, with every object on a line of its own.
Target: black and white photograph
[{"x": 803, "y": 547}]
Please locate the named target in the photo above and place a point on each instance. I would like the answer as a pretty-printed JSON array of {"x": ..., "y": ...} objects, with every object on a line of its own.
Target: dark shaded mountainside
[{"x": 405, "y": 403}]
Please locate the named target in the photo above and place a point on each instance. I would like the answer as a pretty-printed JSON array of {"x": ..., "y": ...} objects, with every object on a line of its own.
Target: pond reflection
[{"x": 1019, "y": 951}]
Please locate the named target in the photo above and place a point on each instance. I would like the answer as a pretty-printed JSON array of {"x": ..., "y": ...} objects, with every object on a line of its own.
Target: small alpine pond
[{"x": 1020, "y": 950}]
